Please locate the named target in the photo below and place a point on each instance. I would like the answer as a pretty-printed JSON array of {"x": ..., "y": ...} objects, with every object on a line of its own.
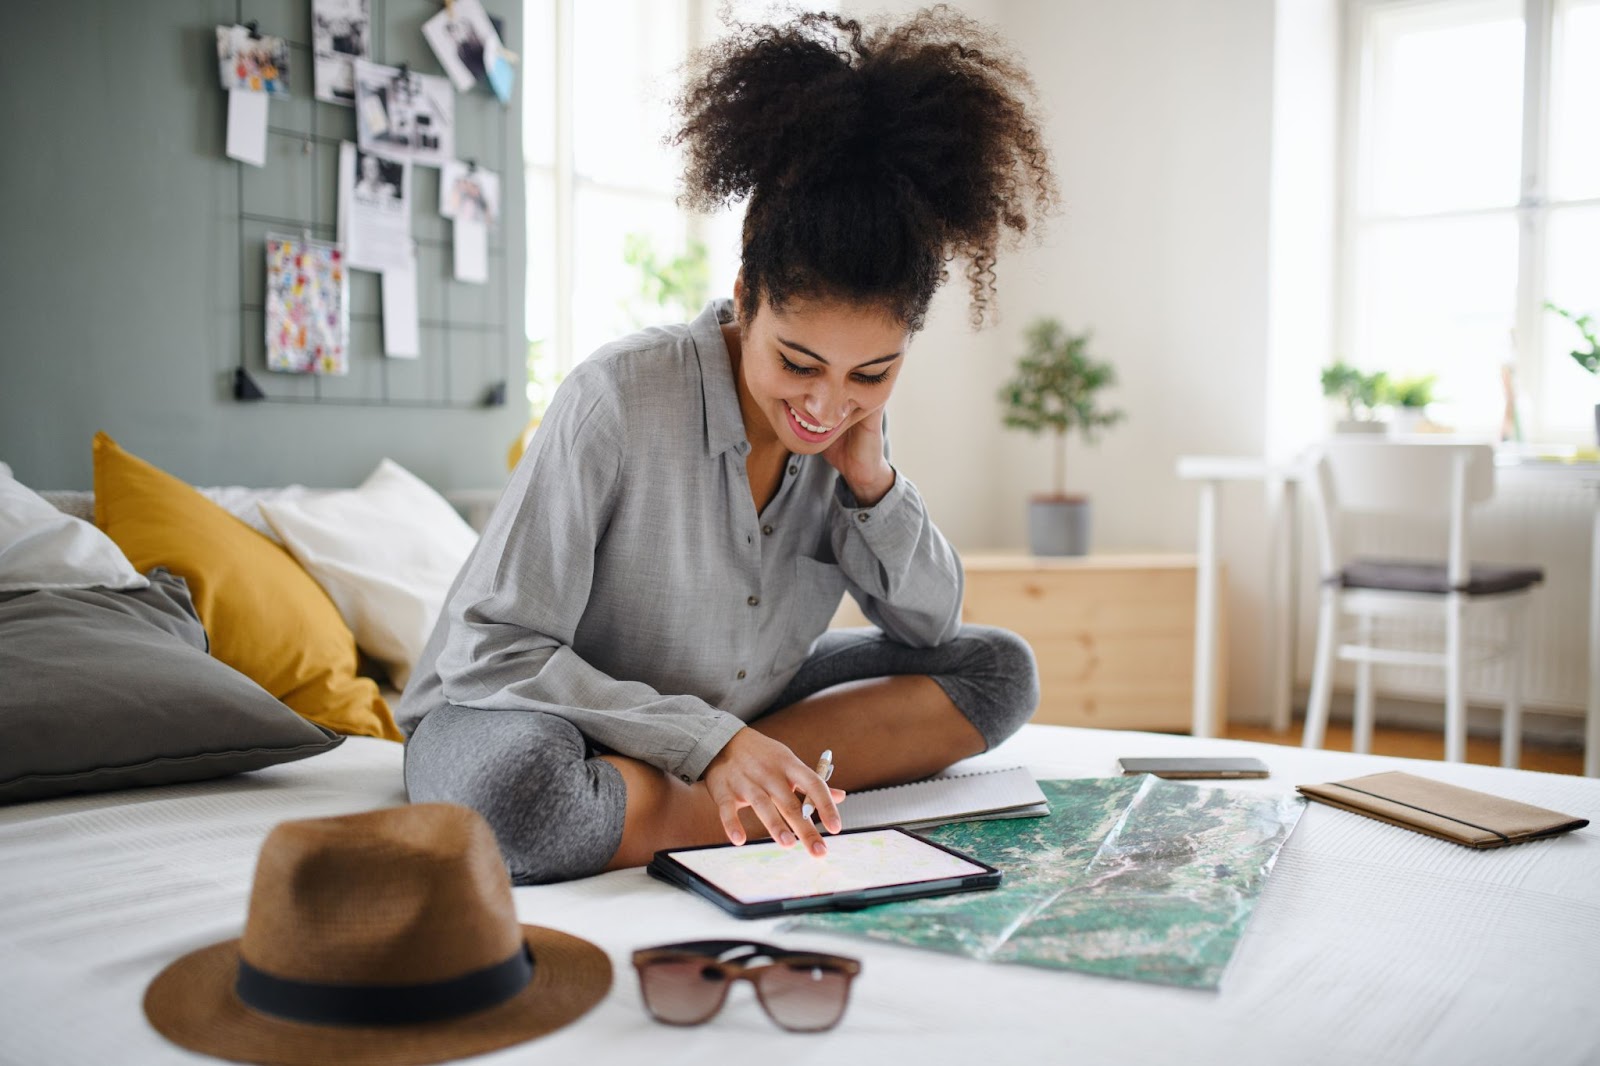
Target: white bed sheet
[{"x": 1370, "y": 945}]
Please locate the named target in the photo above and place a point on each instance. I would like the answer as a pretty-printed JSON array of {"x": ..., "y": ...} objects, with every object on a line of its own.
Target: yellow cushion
[{"x": 265, "y": 616}]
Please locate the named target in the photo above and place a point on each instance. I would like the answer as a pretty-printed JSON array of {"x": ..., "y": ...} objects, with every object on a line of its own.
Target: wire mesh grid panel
[{"x": 467, "y": 343}]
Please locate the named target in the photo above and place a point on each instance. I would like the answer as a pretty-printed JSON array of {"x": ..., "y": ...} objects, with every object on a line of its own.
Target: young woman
[{"x": 636, "y": 656}]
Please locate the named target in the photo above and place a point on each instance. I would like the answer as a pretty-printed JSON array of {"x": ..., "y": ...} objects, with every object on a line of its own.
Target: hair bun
[{"x": 925, "y": 119}]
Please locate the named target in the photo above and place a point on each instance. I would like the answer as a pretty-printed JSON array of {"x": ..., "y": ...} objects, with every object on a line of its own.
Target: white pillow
[
  {"x": 386, "y": 554},
  {"x": 42, "y": 548}
]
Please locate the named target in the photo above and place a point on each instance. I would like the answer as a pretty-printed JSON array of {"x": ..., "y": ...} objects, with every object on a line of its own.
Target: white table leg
[
  {"x": 1281, "y": 620},
  {"x": 1205, "y": 616},
  {"x": 1591, "y": 738}
]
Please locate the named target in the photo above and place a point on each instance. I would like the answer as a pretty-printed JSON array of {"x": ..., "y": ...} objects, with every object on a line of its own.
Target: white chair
[{"x": 1359, "y": 477}]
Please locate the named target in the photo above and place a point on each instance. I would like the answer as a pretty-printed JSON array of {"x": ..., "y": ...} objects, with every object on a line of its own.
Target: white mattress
[{"x": 1370, "y": 945}]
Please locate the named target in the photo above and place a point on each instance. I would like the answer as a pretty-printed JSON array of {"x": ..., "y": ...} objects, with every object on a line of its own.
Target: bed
[{"x": 1369, "y": 945}]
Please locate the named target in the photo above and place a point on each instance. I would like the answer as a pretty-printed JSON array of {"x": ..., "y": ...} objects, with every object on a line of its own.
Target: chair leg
[
  {"x": 1364, "y": 713},
  {"x": 1511, "y": 715},
  {"x": 1322, "y": 672},
  {"x": 1455, "y": 702}
]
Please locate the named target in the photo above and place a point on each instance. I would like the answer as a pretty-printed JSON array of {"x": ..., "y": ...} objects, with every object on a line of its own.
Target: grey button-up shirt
[{"x": 626, "y": 583}]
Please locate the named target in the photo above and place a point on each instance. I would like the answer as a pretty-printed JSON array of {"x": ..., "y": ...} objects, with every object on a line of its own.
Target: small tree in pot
[{"x": 1056, "y": 388}]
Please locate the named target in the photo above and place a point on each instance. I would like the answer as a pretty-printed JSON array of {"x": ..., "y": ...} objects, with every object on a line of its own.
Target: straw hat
[{"x": 385, "y": 938}]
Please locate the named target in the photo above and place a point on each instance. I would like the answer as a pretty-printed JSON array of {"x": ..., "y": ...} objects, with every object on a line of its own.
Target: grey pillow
[{"x": 104, "y": 689}]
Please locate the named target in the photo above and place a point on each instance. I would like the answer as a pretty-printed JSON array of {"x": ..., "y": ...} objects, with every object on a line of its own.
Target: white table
[
  {"x": 1282, "y": 482},
  {"x": 1212, "y": 472}
]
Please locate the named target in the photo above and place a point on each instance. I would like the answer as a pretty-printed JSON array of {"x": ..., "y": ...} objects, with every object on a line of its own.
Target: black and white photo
[
  {"x": 374, "y": 209},
  {"x": 340, "y": 34},
  {"x": 464, "y": 39},
  {"x": 404, "y": 115}
]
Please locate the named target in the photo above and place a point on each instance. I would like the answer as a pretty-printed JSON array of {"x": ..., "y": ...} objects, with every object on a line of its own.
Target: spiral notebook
[{"x": 965, "y": 797}]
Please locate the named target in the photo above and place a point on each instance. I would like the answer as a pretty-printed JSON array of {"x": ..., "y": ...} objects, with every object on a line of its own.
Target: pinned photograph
[
  {"x": 404, "y": 115},
  {"x": 308, "y": 307},
  {"x": 247, "y": 60},
  {"x": 464, "y": 40},
  {"x": 340, "y": 34},
  {"x": 380, "y": 183},
  {"x": 468, "y": 194},
  {"x": 374, "y": 209}
]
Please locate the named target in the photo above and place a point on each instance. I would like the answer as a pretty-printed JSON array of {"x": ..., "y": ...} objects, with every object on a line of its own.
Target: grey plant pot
[{"x": 1058, "y": 525}]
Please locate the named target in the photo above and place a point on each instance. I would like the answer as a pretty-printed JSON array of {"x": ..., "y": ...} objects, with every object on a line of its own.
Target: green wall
[{"x": 129, "y": 274}]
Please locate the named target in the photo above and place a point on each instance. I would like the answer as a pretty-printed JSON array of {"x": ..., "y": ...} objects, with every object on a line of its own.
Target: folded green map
[{"x": 1132, "y": 877}]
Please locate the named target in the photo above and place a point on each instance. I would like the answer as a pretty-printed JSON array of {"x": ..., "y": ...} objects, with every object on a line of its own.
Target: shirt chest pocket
[{"x": 814, "y": 596}]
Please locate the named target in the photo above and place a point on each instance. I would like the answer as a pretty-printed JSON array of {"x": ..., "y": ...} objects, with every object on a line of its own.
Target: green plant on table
[
  {"x": 1056, "y": 389},
  {"x": 1360, "y": 393},
  {"x": 1414, "y": 392}
]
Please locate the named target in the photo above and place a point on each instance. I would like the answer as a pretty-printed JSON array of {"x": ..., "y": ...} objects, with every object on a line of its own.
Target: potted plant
[
  {"x": 1588, "y": 358},
  {"x": 1056, "y": 388},
  {"x": 1359, "y": 393},
  {"x": 1410, "y": 397}
]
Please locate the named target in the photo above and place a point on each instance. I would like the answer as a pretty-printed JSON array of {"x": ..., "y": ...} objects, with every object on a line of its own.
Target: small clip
[
  {"x": 305, "y": 145},
  {"x": 405, "y": 74},
  {"x": 255, "y": 29},
  {"x": 472, "y": 166}
]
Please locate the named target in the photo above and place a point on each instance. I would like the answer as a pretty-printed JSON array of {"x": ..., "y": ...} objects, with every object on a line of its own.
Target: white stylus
[{"x": 824, "y": 770}]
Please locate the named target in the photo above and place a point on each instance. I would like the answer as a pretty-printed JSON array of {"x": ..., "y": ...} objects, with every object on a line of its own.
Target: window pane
[
  {"x": 609, "y": 300},
  {"x": 1443, "y": 112},
  {"x": 1439, "y": 297},
  {"x": 1569, "y": 391},
  {"x": 1575, "y": 102},
  {"x": 538, "y": 76},
  {"x": 625, "y": 56}
]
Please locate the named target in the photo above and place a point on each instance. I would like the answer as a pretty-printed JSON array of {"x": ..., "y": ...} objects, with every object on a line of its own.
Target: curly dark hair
[{"x": 870, "y": 155}]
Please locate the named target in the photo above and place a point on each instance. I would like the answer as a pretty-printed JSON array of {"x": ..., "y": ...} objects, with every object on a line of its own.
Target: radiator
[{"x": 1532, "y": 519}]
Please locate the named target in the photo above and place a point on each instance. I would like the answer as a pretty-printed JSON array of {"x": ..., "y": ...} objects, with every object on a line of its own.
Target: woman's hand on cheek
[
  {"x": 858, "y": 456},
  {"x": 753, "y": 770}
]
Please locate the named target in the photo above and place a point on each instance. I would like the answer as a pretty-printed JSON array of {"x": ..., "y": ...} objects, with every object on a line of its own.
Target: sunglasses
[{"x": 686, "y": 984}]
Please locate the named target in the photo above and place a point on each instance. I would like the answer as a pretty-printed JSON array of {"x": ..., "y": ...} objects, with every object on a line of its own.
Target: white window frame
[
  {"x": 567, "y": 181},
  {"x": 1533, "y": 208}
]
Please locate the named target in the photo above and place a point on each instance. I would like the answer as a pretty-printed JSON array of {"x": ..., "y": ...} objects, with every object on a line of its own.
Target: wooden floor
[{"x": 1424, "y": 744}]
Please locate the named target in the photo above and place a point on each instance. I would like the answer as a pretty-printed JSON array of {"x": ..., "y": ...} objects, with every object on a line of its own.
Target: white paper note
[
  {"x": 375, "y": 209},
  {"x": 400, "y": 333},
  {"x": 247, "y": 126},
  {"x": 472, "y": 251}
]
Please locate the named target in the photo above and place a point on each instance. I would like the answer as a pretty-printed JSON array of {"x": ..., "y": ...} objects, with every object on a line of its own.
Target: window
[
  {"x": 1472, "y": 197},
  {"x": 601, "y": 185}
]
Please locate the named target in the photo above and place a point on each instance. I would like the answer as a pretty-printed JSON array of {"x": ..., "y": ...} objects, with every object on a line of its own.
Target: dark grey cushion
[
  {"x": 104, "y": 689},
  {"x": 1410, "y": 575}
]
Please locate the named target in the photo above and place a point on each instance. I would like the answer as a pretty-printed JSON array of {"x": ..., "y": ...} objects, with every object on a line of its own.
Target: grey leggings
[{"x": 557, "y": 809}]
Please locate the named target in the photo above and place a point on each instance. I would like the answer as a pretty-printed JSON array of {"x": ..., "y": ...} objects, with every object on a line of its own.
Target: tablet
[{"x": 861, "y": 869}]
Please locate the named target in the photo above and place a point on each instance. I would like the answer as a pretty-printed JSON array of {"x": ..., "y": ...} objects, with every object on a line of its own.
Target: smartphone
[{"x": 1194, "y": 768}]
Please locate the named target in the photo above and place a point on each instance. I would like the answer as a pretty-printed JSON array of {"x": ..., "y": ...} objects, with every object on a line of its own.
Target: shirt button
[
  {"x": 754, "y": 601},
  {"x": 740, "y": 675},
  {"x": 863, "y": 516},
  {"x": 766, "y": 530},
  {"x": 685, "y": 777},
  {"x": 793, "y": 470},
  {"x": 748, "y": 539}
]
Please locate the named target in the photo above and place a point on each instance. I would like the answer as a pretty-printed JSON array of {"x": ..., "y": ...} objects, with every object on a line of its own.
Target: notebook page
[{"x": 941, "y": 799}]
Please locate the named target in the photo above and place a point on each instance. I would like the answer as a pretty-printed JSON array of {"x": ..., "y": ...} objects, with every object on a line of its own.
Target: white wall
[{"x": 1194, "y": 150}]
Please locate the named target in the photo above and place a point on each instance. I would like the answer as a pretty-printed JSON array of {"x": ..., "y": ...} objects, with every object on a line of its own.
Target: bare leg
[{"x": 882, "y": 731}]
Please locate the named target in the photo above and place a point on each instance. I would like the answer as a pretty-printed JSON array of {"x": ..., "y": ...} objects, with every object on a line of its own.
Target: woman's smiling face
[{"x": 809, "y": 372}]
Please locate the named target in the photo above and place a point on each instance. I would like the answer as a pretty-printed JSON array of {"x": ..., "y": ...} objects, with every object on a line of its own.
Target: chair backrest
[{"x": 1356, "y": 476}]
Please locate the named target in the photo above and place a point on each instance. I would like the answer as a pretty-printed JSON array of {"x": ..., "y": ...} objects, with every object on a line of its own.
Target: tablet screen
[{"x": 756, "y": 873}]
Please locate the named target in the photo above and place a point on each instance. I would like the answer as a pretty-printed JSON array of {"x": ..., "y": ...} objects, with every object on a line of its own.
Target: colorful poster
[
  {"x": 247, "y": 60},
  {"x": 308, "y": 307}
]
